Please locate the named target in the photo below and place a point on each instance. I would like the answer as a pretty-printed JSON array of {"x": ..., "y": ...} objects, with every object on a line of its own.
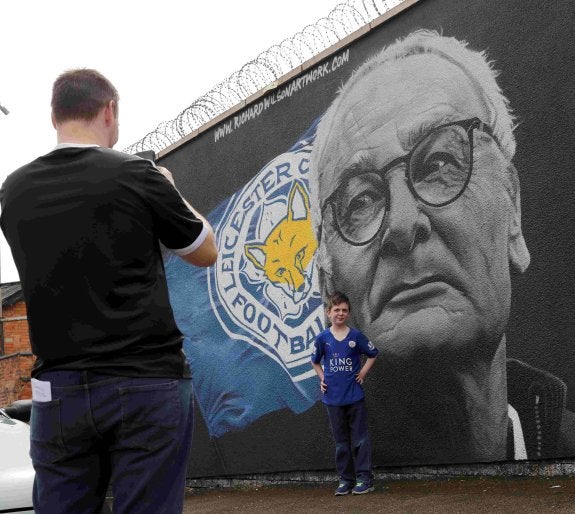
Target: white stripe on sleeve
[{"x": 194, "y": 246}]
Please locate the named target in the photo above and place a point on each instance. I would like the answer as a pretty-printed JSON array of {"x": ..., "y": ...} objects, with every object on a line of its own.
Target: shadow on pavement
[{"x": 454, "y": 495}]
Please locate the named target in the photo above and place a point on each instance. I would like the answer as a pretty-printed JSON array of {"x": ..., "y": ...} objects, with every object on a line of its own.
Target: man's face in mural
[{"x": 421, "y": 278}]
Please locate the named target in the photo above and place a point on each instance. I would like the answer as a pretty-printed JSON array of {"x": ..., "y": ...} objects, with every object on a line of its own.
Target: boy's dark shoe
[
  {"x": 363, "y": 488},
  {"x": 343, "y": 488}
]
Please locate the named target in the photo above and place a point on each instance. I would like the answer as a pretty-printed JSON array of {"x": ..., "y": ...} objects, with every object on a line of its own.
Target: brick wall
[
  {"x": 16, "y": 337},
  {"x": 17, "y": 359},
  {"x": 15, "y": 377}
]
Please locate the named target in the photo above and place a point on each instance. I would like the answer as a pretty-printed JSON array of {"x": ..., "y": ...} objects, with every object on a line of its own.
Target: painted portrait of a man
[
  {"x": 417, "y": 213},
  {"x": 424, "y": 168}
]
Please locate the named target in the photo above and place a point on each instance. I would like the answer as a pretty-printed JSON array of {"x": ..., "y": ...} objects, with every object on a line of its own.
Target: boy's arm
[
  {"x": 319, "y": 370},
  {"x": 360, "y": 377}
]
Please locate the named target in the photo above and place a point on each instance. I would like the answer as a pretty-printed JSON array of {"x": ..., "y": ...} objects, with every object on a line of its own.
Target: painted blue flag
[{"x": 250, "y": 320}]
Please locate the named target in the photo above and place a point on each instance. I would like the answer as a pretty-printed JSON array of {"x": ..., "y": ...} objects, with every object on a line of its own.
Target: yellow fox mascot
[{"x": 289, "y": 248}]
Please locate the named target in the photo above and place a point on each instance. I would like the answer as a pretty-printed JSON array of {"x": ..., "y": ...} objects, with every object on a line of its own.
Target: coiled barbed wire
[{"x": 266, "y": 68}]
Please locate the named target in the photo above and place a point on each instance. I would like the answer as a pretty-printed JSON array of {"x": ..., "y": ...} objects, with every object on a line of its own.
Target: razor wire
[{"x": 265, "y": 69}]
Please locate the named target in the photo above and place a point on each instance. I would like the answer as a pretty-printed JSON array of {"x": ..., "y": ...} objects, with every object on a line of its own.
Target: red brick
[{"x": 14, "y": 367}]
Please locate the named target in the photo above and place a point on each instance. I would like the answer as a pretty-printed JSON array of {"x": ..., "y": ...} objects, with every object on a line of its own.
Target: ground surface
[{"x": 464, "y": 495}]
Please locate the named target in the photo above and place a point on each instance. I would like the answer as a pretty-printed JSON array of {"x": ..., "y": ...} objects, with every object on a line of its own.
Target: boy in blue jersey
[{"x": 340, "y": 347}]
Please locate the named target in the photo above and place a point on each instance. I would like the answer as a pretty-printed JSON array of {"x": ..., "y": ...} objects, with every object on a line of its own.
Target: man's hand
[
  {"x": 360, "y": 377},
  {"x": 322, "y": 386}
]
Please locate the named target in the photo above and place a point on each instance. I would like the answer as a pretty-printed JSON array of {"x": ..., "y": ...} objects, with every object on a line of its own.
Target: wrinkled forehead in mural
[{"x": 415, "y": 200}]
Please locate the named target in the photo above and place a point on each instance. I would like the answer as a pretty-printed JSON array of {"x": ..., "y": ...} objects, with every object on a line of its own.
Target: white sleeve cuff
[{"x": 194, "y": 246}]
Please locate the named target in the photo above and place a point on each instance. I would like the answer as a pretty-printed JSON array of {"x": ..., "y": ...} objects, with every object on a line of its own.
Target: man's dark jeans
[
  {"x": 132, "y": 433},
  {"x": 352, "y": 442}
]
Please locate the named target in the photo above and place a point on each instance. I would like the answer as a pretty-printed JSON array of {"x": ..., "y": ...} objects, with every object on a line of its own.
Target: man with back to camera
[
  {"x": 112, "y": 390},
  {"x": 417, "y": 214}
]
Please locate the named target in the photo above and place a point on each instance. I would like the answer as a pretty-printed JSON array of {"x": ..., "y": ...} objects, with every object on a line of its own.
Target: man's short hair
[
  {"x": 80, "y": 94},
  {"x": 474, "y": 65},
  {"x": 336, "y": 298}
]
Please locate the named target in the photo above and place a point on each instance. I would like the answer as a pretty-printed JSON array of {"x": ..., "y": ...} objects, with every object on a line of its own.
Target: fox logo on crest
[
  {"x": 265, "y": 287},
  {"x": 289, "y": 248}
]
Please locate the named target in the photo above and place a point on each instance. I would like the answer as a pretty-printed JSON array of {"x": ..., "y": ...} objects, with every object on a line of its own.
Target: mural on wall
[
  {"x": 417, "y": 207},
  {"x": 263, "y": 291},
  {"x": 407, "y": 177}
]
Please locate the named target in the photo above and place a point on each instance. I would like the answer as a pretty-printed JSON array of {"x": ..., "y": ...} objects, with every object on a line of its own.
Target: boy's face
[{"x": 338, "y": 314}]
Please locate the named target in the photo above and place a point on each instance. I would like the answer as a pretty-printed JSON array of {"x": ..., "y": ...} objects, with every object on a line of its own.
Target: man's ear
[
  {"x": 54, "y": 124},
  {"x": 323, "y": 268},
  {"x": 517, "y": 248},
  {"x": 110, "y": 111},
  {"x": 326, "y": 288}
]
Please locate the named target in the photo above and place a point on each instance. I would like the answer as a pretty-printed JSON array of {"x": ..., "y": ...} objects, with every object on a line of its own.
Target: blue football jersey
[{"x": 341, "y": 364}]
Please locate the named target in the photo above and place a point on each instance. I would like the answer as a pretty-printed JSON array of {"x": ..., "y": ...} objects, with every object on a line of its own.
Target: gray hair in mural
[
  {"x": 425, "y": 169},
  {"x": 416, "y": 210}
]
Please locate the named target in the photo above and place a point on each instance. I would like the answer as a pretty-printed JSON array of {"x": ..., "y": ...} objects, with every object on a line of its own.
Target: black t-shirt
[{"x": 85, "y": 226}]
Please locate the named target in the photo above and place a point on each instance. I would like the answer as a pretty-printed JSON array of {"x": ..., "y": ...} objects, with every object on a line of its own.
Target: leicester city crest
[{"x": 264, "y": 287}]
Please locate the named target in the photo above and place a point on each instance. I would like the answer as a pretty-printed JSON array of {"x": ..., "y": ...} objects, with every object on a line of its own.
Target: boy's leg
[
  {"x": 338, "y": 417},
  {"x": 149, "y": 460},
  {"x": 361, "y": 441}
]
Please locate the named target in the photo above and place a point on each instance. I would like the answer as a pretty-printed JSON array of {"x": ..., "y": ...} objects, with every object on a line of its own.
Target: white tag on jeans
[{"x": 41, "y": 391}]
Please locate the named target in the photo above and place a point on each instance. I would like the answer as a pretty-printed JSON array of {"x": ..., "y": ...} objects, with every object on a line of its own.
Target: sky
[{"x": 160, "y": 55}]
